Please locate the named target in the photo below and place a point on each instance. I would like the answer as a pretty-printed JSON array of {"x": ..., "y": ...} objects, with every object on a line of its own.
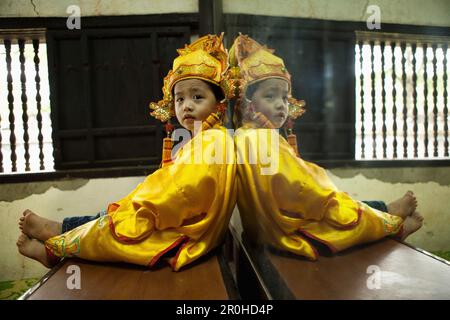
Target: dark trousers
[
  {"x": 380, "y": 205},
  {"x": 70, "y": 223}
]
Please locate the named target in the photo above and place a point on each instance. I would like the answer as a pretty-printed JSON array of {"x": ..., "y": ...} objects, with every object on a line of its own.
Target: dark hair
[
  {"x": 218, "y": 93},
  {"x": 251, "y": 90}
]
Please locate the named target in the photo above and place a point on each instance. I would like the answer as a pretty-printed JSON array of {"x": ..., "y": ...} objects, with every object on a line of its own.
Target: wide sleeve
[
  {"x": 304, "y": 189},
  {"x": 173, "y": 195}
]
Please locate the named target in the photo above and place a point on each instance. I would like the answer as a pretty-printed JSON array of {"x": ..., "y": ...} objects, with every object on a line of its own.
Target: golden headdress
[
  {"x": 205, "y": 59},
  {"x": 251, "y": 62}
]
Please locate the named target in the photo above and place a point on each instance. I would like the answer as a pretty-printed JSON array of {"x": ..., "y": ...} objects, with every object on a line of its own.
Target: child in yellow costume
[
  {"x": 186, "y": 204},
  {"x": 289, "y": 201}
]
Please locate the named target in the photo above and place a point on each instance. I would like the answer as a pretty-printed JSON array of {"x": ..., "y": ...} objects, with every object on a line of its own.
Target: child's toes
[{"x": 417, "y": 216}]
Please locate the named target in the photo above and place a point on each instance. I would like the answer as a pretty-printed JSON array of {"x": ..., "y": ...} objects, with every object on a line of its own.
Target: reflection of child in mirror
[{"x": 299, "y": 202}]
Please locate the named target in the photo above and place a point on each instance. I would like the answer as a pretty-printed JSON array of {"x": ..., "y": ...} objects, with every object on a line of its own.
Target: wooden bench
[
  {"x": 261, "y": 273},
  {"x": 386, "y": 269},
  {"x": 206, "y": 279}
]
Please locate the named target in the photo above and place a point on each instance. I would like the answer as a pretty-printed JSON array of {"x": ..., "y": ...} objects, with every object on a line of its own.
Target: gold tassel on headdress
[
  {"x": 291, "y": 137},
  {"x": 167, "y": 146},
  {"x": 296, "y": 109}
]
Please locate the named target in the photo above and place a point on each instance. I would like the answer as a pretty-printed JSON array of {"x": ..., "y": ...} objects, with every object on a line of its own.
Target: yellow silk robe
[
  {"x": 186, "y": 204},
  {"x": 297, "y": 200}
]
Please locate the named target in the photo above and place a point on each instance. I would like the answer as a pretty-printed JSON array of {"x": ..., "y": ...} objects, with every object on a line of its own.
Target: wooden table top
[
  {"x": 202, "y": 280},
  {"x": 383, "y": 270}
]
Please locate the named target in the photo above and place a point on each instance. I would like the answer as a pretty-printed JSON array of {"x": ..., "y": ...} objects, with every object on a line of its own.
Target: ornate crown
[
  {"x": 205, "y": 59},
  {"x": 251, "y": 62}
]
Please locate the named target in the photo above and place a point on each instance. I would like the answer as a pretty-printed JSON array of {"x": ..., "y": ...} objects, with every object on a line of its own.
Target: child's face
[
  {"x": 194, "y": 101},
  {"x": 271, "y": 99}
]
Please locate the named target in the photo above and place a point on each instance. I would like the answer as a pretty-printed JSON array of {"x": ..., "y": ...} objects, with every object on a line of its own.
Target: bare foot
[
  {"x": 33, "y": 249},
  {"x": 37, "y": 227},
  {"x": 411, "y": 224},
  {"x": 403, "y": 207},
  {"x": 417, "y": 215}
]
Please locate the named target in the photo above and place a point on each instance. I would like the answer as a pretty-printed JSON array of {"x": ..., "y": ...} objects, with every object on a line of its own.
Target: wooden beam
[{"x": 210, "y": 17}]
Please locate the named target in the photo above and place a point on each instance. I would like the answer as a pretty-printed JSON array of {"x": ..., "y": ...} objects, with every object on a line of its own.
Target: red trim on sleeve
[
  {"x": 329, "y": 245},
  {"x": 175, "y": 259},
  {"x": 351, "y": 224},
  {"x": 124, "y": 239},
  {"x": 173, "y": 245}
]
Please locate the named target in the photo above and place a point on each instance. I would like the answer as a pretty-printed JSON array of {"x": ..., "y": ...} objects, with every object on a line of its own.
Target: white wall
[
  {"x": 58, "y": 8},
  {"x": 419, "y": 12}
]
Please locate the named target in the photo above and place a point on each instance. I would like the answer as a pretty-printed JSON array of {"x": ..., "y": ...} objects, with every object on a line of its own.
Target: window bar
[
  {"x": 435, "y": 111},
  {"x": 444, "y": 49},
  {"x": 38, "y": 102},
  {"x": 23, "y": 81},
  {"x": 361, "y": 93},
  {"x": 414, "y": 78},
  {"x": 394, "y": 97},
  {"x": 374, "y": 136},
  {"x": 12, "y": 137},
  {"x": 383, "y": 99},
  {"x": 405, "y": 110},
  {"x": 425, "y": 94}
]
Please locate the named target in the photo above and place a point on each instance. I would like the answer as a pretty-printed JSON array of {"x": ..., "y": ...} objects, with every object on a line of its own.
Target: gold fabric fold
[
  {"x": 186, "y": 204},
  {"x": 297, "y": 200}
]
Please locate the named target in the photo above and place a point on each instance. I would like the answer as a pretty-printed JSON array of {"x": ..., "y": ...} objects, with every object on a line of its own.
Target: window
[
  {"x": 102, "y": 80},
  {"x": 26, "y": 134},
  {"x": 401, "y": 97},
  {"x": 98, "y": 81}
]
